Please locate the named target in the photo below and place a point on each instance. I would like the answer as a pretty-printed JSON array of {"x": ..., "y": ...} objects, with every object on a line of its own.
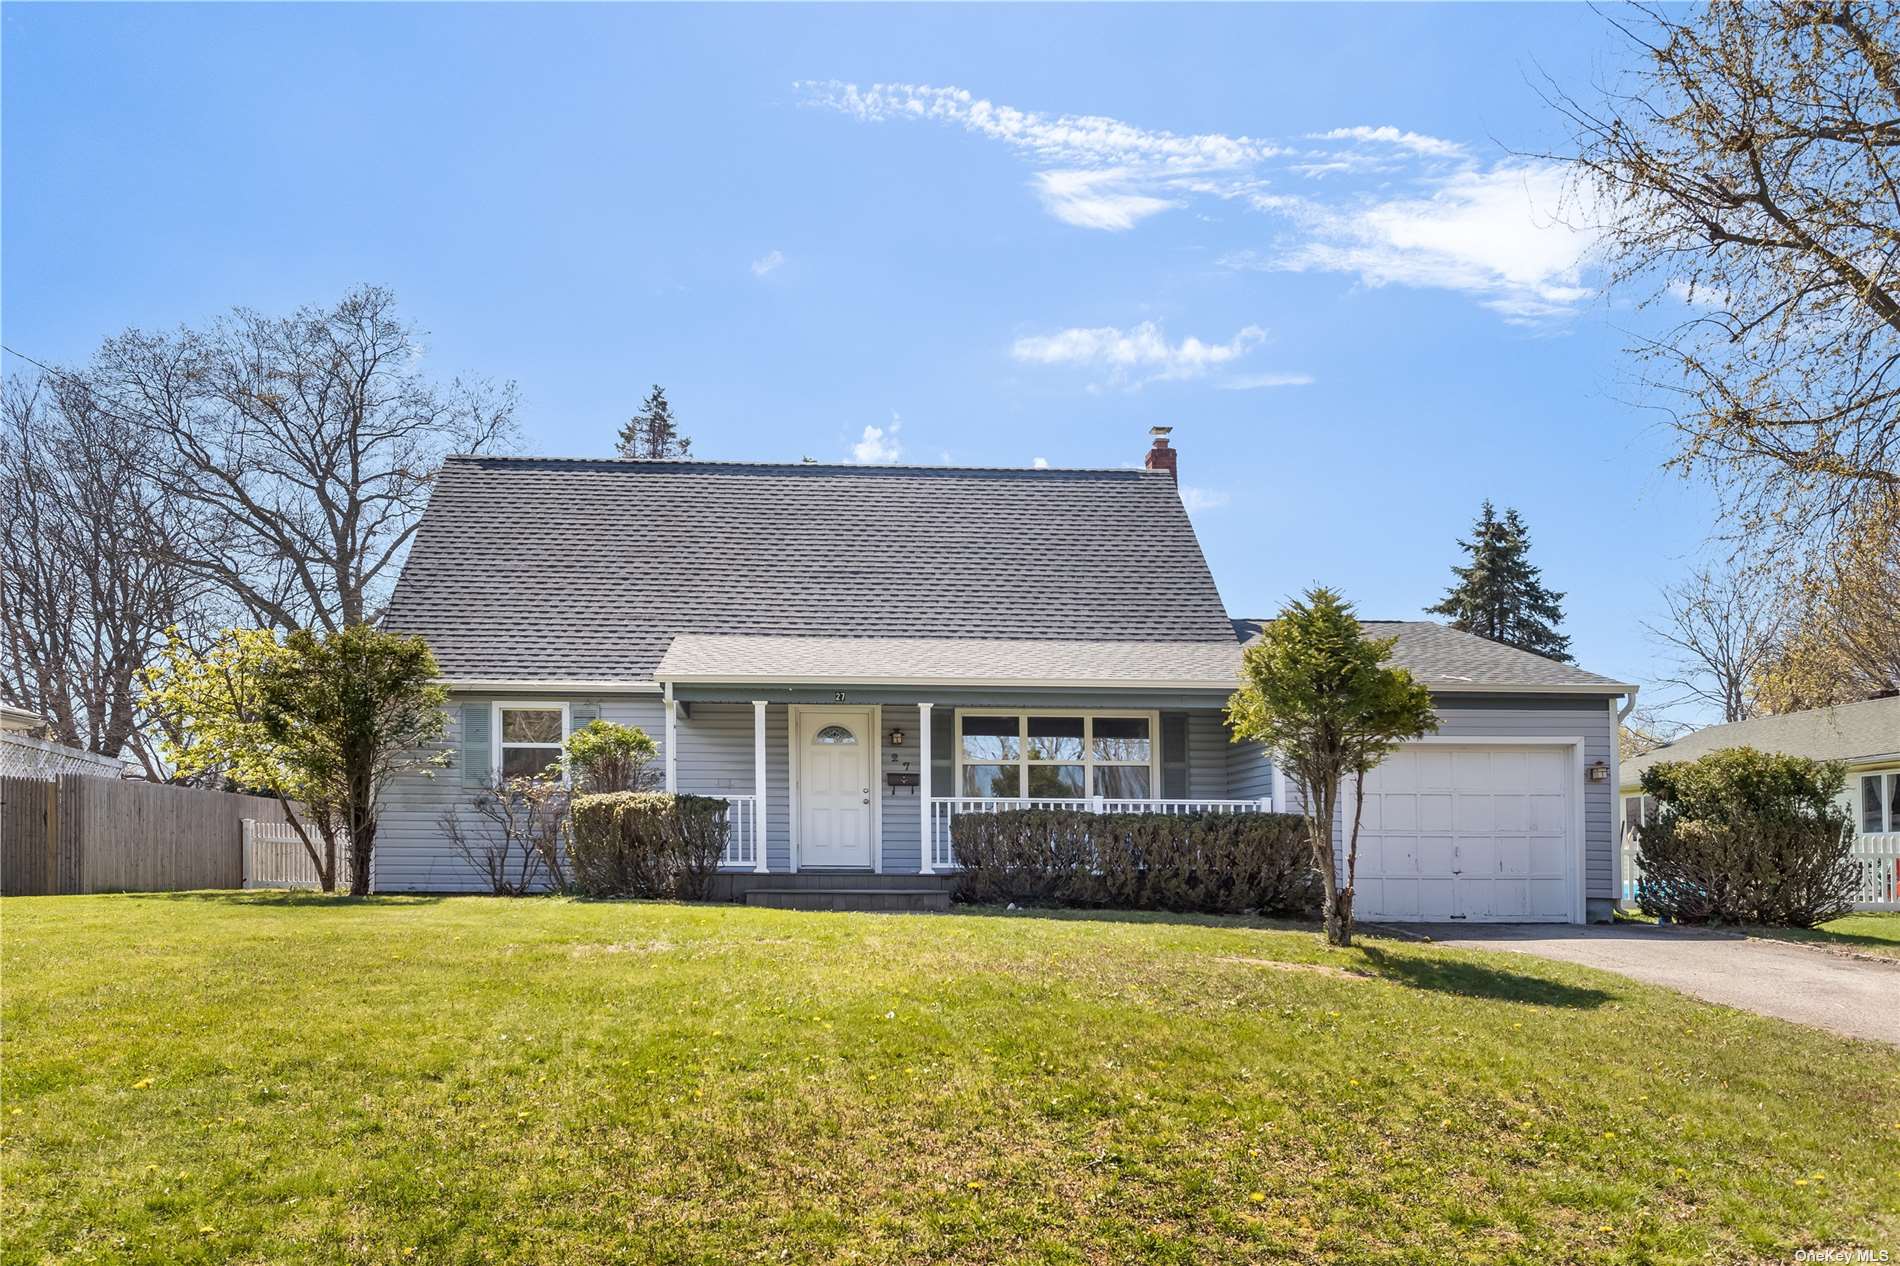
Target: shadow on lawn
[
  {"x": 1478, "y": 980},
  {"x": 274, "y": 897},
  {"x": 1086, "y": 914}
]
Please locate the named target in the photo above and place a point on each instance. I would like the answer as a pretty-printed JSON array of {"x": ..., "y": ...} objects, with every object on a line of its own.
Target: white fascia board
[
  {"x": 986, "y": 683},
  {"x": 1443, "y": 686},
  {"x": 550, "y": 683}
]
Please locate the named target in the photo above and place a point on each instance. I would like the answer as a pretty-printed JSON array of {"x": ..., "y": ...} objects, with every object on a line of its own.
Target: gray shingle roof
[
  {"x": 1448, "y": 660},
  {"x": 1849, "y": 732},
  {"x": 533, "y": 568},
  {"x": 992, "y": 661}
]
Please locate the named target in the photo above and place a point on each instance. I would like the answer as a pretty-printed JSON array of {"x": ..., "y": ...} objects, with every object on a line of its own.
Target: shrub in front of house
[
  {"x": 646, "y": 844},
  {"x": 1212, "y": 863},
  {"x": 1742, "y": 836}
]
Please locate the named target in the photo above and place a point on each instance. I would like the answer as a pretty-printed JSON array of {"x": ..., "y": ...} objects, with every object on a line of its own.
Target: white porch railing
[
  {"x": 1878, "y": 856},
  {"x": 275, "y": 858},
  {"x": 742, "y": 831},
  {"x": 944, "y": 811}
]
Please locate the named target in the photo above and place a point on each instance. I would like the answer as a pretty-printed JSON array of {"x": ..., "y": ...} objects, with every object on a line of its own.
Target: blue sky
[{"x": 984, "y": 235}]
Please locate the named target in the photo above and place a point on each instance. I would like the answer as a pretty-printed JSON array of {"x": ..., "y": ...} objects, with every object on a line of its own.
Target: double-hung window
[
  {"x": 528, "y": 737},
  {"x": 1056, "y": 756},
  {"x": 1879, "y": 803}
]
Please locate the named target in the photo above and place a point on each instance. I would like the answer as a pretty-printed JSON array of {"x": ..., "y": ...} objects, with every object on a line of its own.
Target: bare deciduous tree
[
  {"x": 1645, "y": 730},
  {"x": 1747, "y": 169},
  {"x": 1724, "y": 624},
  {"x": 89, "y": 578},
  {"x": 1845, "y": 642},
  {"x": 308, "y": 442}
]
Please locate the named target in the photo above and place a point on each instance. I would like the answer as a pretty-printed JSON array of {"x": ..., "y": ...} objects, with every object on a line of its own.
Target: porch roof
[{"x": 945, "y": 661}]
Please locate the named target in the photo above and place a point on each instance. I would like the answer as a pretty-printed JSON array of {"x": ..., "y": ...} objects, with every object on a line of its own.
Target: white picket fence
[
  {"x": 1878, "y": 856},
  {"x": 275, "y": 858}
]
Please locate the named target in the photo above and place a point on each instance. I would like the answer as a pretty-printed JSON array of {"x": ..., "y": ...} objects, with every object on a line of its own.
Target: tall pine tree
[
  {"x": 652, "y": 432},
  {"x": 1500, "y": 595}
]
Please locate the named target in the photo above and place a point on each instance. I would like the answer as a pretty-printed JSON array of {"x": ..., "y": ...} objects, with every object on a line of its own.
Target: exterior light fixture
[
  {"x": 897, "y": 738},
  {"x": 1600, "y": 772}
]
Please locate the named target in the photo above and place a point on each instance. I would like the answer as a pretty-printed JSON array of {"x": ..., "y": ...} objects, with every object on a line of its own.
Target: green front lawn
[
  {"x": 1871, "y": 933},
  {"x": 265, "y": 1078}
]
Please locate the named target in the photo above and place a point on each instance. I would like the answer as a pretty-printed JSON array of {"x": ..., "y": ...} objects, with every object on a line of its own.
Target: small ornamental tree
[
  {"x": 352, "y": 709},
  {"x": 606, "y": 756},
  {"x": 1318, "y": 695},
  {"x": 212, "y": 706}
]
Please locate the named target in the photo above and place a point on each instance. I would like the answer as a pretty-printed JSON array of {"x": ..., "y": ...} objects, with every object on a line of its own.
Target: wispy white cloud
[
  {"x": 1384, "y": 204},
  {"x": 1200, "y": 500},
  {"x": 1417, "y": 142},
  {"x": 1040, "y": 463},
  {"x": 879, "y": 445},
  {"x": 1097, "y": 199},
  {"x": 1136, "y": 356},
  {"x": 1255, "y": 382},
  {"x": 1483, "y": 232},
  {"x": 767, "y": 263}
]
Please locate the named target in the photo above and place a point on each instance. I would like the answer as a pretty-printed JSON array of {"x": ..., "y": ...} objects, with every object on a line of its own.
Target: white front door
[
  {"x": 1478, "y": 833},
  {"x": 835, "y": 749}
]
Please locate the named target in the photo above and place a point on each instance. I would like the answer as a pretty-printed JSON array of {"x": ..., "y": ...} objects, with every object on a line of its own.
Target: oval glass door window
[{"x": 834, "y": 734}]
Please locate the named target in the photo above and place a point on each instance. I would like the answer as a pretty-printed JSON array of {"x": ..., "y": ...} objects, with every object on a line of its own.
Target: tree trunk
[
  {"x": 1339, "y": 918},
  {"x": 362, "y": 844}
]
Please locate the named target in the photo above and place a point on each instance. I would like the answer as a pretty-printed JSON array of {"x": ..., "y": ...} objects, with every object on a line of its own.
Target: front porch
[{"x": 835, "y": 787}]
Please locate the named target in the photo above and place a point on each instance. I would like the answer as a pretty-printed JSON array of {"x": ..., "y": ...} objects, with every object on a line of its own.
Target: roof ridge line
[{"x": 745, "y": 463}]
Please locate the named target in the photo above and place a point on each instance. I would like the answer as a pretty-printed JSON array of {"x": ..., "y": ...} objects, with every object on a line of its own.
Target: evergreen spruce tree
[
  {"x": 652, "y": 432},
  {"x": 1500, "y": 595}
]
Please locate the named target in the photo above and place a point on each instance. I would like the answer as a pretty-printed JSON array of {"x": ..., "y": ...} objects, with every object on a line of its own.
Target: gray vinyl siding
[
  {"x": 1206, "y": 757},
  {"x": 412, "y": 855},
  {"x": 1249, "y": 772},
  {"x": 901, "y": 806},
  {"x": 716, "y": 753}
]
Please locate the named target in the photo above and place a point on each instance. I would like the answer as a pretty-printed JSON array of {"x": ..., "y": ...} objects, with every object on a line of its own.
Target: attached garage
[{"x": 1478, "y": 832}]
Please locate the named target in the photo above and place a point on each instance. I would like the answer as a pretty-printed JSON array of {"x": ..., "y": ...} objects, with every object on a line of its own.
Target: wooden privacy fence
[{"x": 80, "y": 834}]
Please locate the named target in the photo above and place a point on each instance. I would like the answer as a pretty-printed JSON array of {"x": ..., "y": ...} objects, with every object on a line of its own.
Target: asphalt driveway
[{"x": 1853, "y": 996}]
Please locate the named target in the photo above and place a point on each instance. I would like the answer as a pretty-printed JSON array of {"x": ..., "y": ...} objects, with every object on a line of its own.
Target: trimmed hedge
[
  {"x": 1743, "y": 836},
  {"x": 1212, "y": 863},
  {"x": 646, "y": 844}
]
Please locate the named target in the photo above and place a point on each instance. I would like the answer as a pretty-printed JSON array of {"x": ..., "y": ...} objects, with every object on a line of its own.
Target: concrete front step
[{"x": 912, "y": 900}]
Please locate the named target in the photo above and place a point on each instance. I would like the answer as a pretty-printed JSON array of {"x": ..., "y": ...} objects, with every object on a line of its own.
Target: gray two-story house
[{"x": 854, "y": 655}]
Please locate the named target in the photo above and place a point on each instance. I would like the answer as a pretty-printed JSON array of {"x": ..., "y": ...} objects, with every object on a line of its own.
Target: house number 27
[{"x": 838, "y": 696}]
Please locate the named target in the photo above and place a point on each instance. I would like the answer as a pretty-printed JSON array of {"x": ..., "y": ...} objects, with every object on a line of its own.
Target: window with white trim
[
  {"x": 1879, "y": 803},
  {"x": 528, "y": 737},
  {"x": 1056, "y": 755}
]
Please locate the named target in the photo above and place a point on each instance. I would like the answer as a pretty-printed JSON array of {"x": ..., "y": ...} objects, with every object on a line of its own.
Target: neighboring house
[
  {"x": 853, "y": 655},
  {"x": 1864, "y": 736}
]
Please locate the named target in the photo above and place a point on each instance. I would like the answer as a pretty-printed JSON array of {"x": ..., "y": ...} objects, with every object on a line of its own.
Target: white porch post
[
  {"x": 758, "y": 786},
  {"x": 672, "y": 759},
  {"x": 923, "y": 790}
]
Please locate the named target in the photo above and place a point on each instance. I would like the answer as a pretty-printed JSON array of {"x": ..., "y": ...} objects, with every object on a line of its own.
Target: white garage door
[{"x": 1478, "y": 833}]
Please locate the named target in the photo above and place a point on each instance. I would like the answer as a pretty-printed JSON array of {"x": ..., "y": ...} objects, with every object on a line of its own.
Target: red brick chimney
[{"x": 1161, "y": 457}]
